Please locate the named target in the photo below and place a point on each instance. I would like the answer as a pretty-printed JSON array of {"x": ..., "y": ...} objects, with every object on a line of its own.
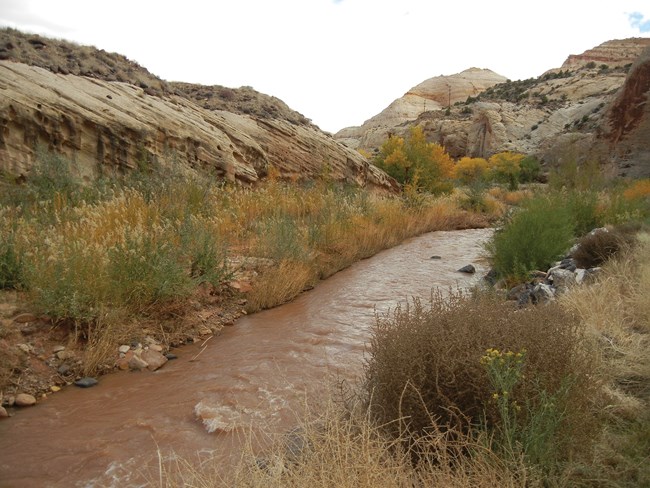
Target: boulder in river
[
  {"x": 469, "y": 269},
  {"x": 86, "y": 382}
]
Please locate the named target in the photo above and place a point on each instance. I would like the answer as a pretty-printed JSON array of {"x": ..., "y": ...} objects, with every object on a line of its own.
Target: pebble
[
  {"x": 26, "y": 348},
  {"x": 435, "y": 257},
  {"x": 3, "y": 412},
  {"x": 124, "y": 348},
  {"x": 64, "y": 354},
  {"x": 8, "y": 401},
  {"x": 56, "y": 349},
  {"x": 55, "y": 388},
  {"x": 171, "y": 356},
  {"x": 25, "y": 400},
  {"x": 86, "y": 382},
  {"x": 156, "y": 347},
  {"x": 63, "y": 369}
]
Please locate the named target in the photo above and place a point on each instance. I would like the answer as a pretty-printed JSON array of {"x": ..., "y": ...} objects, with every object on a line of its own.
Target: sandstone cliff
[
  {"x": 110, "y": 126},
  {"x": 104, "y": 125}
]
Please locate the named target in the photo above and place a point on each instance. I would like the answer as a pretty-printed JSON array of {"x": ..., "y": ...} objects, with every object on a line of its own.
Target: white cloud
[
  {"x": 638, "y": 21},
  {"x": 337, "y": 62}
]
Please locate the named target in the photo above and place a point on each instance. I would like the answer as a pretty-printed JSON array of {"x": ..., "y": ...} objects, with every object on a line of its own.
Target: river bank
[{"x": 256, "y": 373}]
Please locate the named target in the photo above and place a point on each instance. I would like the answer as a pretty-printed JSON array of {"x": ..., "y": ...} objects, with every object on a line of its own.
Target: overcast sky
[{"x": 338, "y": 62}]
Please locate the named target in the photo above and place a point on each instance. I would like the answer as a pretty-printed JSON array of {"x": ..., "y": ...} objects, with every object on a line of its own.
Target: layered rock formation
[
  {"x": 562, "y": 114},
  {"x": 435, "y": 93},
  {"x": 107, "y": 126},
  {"x": 618, "y": 52}
]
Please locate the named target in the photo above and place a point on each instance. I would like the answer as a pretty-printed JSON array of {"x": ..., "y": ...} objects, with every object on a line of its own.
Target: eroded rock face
[
  {"x": 105, "y": 127},
  {"x": 627, "y": 127}
]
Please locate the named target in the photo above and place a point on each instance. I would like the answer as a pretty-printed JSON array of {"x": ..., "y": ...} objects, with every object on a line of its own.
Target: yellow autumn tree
[
  {"x": 505, "y": 167},
  {"x": 470, "y": 170},
  {"x": 414, "y": 161}
]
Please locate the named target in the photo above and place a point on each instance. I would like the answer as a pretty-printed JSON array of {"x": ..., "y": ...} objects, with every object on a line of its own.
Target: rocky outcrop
[
  {"x": 627, "y": 121},
  {"x": 561, "y": 114},
  {"x": 435, "y": 93},
  {"x": 618, "y": 52},
  {"x": 105, "y": 127}
]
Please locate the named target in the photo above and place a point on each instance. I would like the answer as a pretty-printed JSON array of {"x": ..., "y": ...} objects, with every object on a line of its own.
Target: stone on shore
[{"x": 25, "y": 400}]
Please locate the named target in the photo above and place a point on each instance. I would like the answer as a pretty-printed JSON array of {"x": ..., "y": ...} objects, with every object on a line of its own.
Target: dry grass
[
  {"x": 342, "y": 448},
  {"x": 616, "y": 311},
  {"x": 280, "y": 284}
]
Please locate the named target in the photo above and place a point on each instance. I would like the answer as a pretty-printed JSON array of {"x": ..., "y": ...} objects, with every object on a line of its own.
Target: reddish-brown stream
[{"x": 256, "y": 373}]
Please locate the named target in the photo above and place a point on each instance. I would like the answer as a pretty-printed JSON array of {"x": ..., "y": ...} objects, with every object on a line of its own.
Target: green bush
[
  {"x": 532, "y": 238},
  {"x": 144, "y": 270},
  {"x": 529, "y": 169},
  {"x": 10, "y": 263},
  {"x": 52, "y": 175},
  {"x": 583, "y": 207},
  {"x": 207, "y": 254}
]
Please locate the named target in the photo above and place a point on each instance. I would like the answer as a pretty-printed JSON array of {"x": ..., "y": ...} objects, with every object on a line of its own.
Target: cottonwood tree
[{"x": 414, "y": 161}]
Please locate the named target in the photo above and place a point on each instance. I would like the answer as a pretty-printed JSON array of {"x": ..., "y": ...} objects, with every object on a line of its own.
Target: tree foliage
[
  {"x": 414, "y": 161},
  {"x": 505, "y": 168},
  {"x": 471, "y": 170}
]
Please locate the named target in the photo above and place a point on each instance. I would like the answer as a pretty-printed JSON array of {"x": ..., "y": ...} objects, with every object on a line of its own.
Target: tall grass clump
[
  {"x": 532, "y": 238},
  {"x": 466, "y": 361}
]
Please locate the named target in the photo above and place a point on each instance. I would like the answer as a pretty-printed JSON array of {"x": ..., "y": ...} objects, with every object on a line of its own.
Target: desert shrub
[
  {"x": 475, "y": 198},
  {"x": 583, "y": 207},
  {"x": 532, "y": 238},
  {"x": 143, "y": 270},
  {"x": 424, "y": 368},
  {"x": 52, "y": 175},
  {"x": 638, "y": 190},
  {"x": 280, "y": 238},
  {"x": 529, "y": 169},
  {"x": 206, "y": 252},
  {"x": 596, "y": 248},
  {"x": 10, "y": 262}
]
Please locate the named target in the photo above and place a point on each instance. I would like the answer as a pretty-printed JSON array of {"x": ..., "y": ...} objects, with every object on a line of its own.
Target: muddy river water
[{"x": 255, "y": 374}]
